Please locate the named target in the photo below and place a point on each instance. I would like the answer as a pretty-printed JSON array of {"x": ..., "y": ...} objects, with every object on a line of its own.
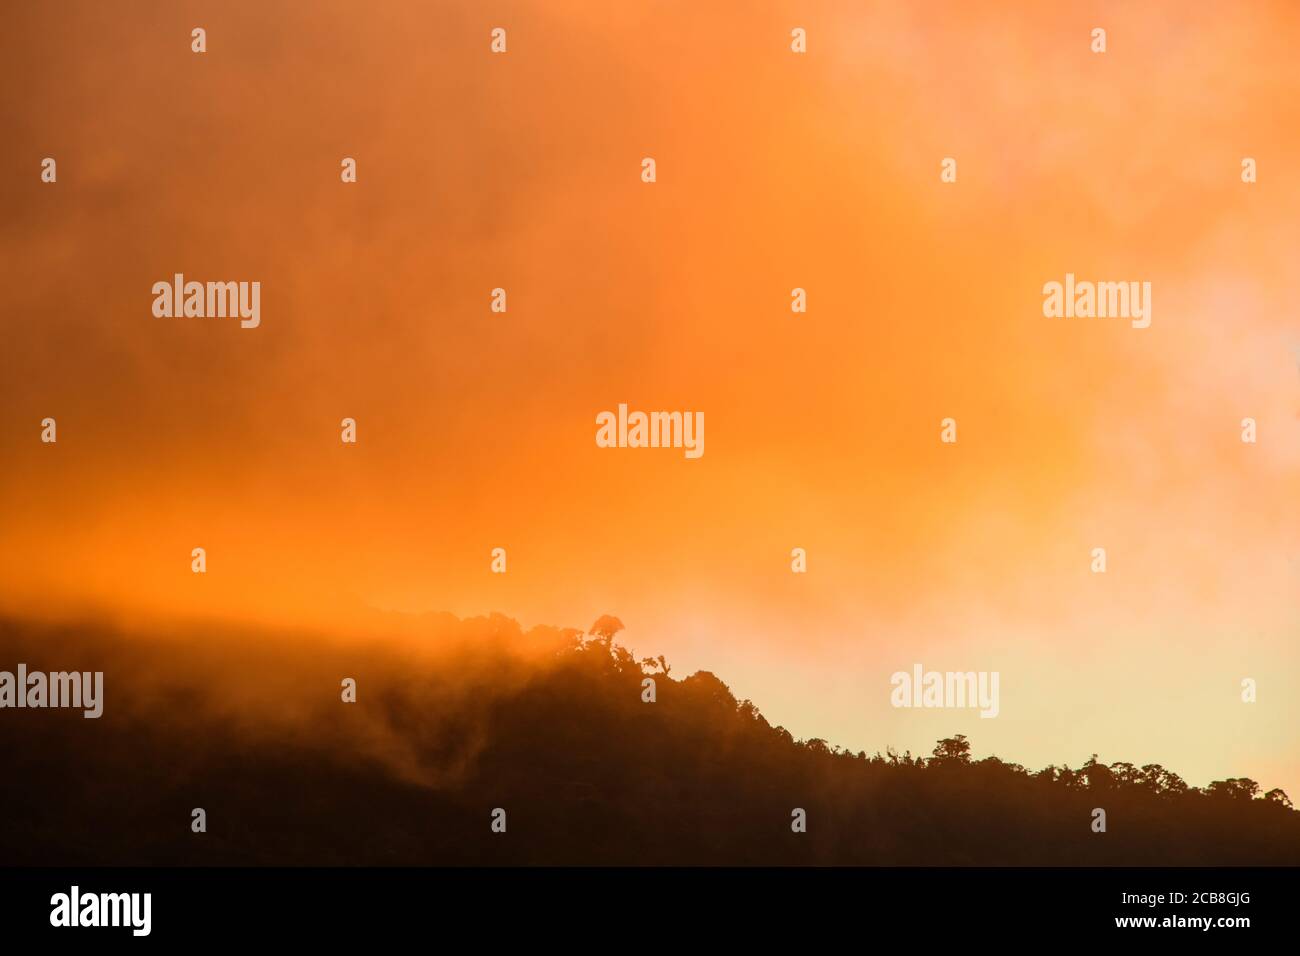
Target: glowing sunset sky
[{"x": 775, "y": 171}]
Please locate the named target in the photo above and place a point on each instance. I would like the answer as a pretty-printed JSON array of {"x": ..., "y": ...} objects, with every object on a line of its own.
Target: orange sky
[{"x": 775, "y": 170}]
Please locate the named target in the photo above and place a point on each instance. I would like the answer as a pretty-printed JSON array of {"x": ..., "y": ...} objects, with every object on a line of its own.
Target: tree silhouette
[
  {"x": 1277, "y": 795},
  {"x": 1234, "y": 788},
  {"x": 605, "y": 628},
  {"x": 560, "y": 735},
  {"x": 953, "y": 750}
]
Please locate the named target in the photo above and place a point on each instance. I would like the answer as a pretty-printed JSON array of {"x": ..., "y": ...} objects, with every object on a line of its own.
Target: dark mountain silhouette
[{"x": 550, "y": 726}]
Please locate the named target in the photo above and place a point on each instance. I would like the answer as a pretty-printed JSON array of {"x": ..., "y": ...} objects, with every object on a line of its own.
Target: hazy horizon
[{"x": 776, "y": 171}]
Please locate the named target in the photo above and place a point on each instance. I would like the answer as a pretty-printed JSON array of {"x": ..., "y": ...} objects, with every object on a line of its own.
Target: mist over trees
[{"x": 558, "y": 735}]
